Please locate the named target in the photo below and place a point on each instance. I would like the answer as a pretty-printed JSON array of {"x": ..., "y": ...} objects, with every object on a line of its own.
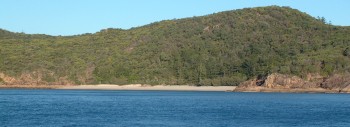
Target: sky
[{"x": 72, "y": 17}]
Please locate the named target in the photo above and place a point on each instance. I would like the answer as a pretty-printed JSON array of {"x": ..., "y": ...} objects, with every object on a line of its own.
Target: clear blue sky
[{"x": 70, "y": 17}]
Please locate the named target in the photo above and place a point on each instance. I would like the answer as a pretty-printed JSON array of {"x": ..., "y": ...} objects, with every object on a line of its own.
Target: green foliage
[
  {"x": 346, "y": 52},
  {"x": 1, "y": 81},
  {"x": 221, "y": 49}
]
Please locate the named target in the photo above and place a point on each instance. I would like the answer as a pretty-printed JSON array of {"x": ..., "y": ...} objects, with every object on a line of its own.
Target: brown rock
[
  {"x": 339, "y": 82},
  {"x": 281, "y": 83}
]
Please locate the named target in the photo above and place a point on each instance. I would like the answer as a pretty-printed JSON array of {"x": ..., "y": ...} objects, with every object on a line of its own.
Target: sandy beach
[{"x": 149, "y": 87}]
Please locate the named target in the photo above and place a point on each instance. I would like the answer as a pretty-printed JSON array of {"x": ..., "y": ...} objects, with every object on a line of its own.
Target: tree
[{"x": 346, "y": 52}]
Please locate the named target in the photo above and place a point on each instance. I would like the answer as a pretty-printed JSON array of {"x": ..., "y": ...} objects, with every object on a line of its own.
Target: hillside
[{"x": 225, "y": 48}]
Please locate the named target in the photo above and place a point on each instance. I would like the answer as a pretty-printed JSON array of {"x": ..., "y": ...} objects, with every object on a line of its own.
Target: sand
[{"x": 148, "y": 87}]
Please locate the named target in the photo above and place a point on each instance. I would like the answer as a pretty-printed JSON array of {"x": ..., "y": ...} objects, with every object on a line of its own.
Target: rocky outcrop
[
  {"x": 337, "y": 82},
  {"x": 287, "y": 83},
  {"x": 31, "y": 79},
  {"x": 6, "y": 79}
]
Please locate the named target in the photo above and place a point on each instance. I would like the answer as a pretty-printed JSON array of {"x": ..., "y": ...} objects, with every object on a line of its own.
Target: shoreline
[
  {"x": 149, "y": 87},
  {"x": 288, "y": 90},
  {"x": 139, "y": 87},
  {"x": 124, "y": 87},
  {"x": 30, "y": 86}
]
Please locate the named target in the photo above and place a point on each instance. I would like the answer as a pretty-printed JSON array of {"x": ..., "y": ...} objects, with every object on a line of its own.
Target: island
[{"x": 262, "y": 49}]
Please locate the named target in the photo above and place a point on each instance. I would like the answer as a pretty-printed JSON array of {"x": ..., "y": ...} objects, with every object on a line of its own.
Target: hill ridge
[{"x": 156, "y": 22}]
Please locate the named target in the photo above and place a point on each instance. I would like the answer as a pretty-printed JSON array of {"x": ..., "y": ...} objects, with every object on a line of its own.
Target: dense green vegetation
[{"x": 225, "y": 48}]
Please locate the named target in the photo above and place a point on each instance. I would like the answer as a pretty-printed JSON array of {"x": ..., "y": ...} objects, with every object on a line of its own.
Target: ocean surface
[{"x": 171, "y": 108}]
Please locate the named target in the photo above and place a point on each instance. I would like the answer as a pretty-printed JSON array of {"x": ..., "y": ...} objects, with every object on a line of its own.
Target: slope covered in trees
[{"x": 225, "y": 48}]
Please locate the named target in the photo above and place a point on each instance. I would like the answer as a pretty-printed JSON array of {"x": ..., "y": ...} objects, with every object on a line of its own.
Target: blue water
[{"x": 166, "y": 108}]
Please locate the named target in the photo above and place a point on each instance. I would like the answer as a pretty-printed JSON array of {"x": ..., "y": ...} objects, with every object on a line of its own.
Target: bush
[{"x": 2, "y": 81}]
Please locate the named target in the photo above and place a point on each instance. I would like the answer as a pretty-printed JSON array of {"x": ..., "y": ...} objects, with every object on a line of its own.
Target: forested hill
[{"x": 225, "y": 48}]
